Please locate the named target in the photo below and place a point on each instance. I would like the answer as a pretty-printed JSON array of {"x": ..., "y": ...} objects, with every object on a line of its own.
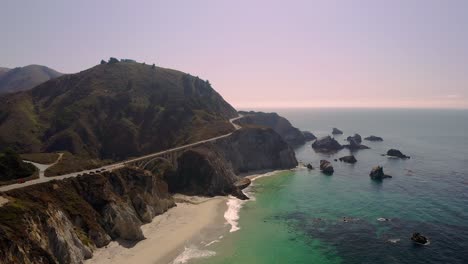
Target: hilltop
[
  {"x": 113, "y": 111},
  {"x": 25, "y": 78}
]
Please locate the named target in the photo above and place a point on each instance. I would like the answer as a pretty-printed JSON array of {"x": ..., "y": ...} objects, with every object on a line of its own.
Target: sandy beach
[{"x": 194, "y": 221}]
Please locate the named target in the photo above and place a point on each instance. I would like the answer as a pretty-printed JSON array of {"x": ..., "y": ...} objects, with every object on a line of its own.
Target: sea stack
[
  {"x": 418, "y": 238},
  {"x": 349, "y": 159},
  {"x": 357, "y": 138},
  {"x": 336, "y": 131},
  {"x": 397, "y": 153},
  {"x": 326, "y": 144},
  {"x": 326, "y": 167},
  {"x": 378, "y": 174}
]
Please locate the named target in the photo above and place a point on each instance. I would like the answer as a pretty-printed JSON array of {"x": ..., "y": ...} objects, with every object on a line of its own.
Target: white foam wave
[
  {"x": 191, "y": 253},
  {"x": 212, "y": 242},
  {"x": 234, "y": 205},
  {"x": 232, "y": 213}
]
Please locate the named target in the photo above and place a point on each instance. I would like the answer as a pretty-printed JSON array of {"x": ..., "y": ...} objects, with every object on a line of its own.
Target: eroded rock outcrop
[
  {"x": 397, "y": 153},
  {"x": 357, "y": 138},
  {"x": 326, "y": 167},
  {"x": 354, "y": 145},
  {"x": 279, "y": 124},
  {"x": 326, "y": 144},
  {"x": 378, "y": 174},
  {"x": 336, "y": 131},
  {"x": 418, "y": 238},
  {"x": 348, "y": 159},
  {"x": 309, "y": 136},
  {"x": 373, "y": 138},
  {"x": 211, "y": 169},
  {"x": 63, "y": 221}
]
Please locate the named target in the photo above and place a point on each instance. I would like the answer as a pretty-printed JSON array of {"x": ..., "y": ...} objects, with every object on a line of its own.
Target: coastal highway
[{"x": 117, "y": 165}]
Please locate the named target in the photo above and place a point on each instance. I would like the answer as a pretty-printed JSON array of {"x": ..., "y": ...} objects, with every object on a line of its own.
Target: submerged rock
[
  {"x": 348, "y": 159},
  {"x": 357, "y": 138},
  {"x": 418, "y": 238},
  {"x": 378, "y": 174},
  {"x": 397, "y": 153},
  {"x": 336, "y": 131},
  {"x": 373, "y": 138},
  {"x": 326, "y": 167},
  {"x": 309, "y": 136},
  {"x": 326, "y": 144}
]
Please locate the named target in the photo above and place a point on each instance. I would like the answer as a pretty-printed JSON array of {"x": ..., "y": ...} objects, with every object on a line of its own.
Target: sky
[{"x": 349, "y": 53}]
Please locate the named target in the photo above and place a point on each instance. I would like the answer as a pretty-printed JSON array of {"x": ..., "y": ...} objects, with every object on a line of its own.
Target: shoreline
[
  {"x": 183, "y": 232},
  {"x": 194, "y": 219}
]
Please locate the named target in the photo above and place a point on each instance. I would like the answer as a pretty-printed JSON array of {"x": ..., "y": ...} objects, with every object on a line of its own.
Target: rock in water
[
  {"x": 378, "y": 174},
  {"x": 348, "y": 159},
  {"x": 326, "y": 144},
  {"x": 373, "y": 138},
  {"x": 418, "y": 238},
  {"x": 354, "y": 145},
  {"x": 309, "y": 136},
  {"x": 309, "y": 166},
  {"x": 336, "y": 131},
  {"x": 326, "y": 167},
  {"x": 356, "y": 138},
  {"x": 397, "y": 153}
]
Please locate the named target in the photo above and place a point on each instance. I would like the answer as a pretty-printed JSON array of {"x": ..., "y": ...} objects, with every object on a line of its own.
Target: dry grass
[
  {"x": 41, "y": 158},
  {"x": 71, "y": 163}
]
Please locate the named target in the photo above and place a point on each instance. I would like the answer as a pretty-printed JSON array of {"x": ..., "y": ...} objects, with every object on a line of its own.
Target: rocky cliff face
[
  {"x": 63, "y": 221},
  {"x": 281, "y": 125},
  {"x": 253, "y": 149},
  {"x": 211, "y": 169}
]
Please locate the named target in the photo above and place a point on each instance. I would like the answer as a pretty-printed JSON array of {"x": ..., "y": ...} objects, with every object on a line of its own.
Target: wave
[
  {"x": 234, "y": 205},
  {"x": 192, "y": 252}
]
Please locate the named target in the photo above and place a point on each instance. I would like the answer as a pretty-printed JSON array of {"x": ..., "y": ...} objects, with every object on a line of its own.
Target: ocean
[{"x": 303, "y": 216}]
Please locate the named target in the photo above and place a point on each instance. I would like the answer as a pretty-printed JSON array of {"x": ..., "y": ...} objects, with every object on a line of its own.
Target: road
[{"x": 118, "y": 165}]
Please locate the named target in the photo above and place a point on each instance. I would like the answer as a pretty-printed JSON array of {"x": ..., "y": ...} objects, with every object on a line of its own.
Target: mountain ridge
[{"x": 25, "y": 78}]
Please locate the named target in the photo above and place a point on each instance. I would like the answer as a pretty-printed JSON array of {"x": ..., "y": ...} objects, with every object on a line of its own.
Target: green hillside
[
  {"x": 113, "y": 111},
  {"x": 25, "y": 78}
]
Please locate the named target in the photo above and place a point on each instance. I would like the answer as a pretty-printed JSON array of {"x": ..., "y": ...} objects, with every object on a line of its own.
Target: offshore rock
[
  {"x": 354, "y": 145},
  {"x": 326, "y": 167},
  {"x": 397, "y": 153},
  {"x": 373, "y": 138},
  {"x": 336, "y": 131},
  {"x": 378, "y": 174},
  {"x": 326, "y": 144},
  {"x": 349, "y": 159},
  {"x": 357, "y": 138},
  {"x": 418, "y": 238}
]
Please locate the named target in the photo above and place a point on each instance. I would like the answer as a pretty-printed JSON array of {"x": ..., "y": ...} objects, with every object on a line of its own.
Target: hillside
[
  {"x": 25, "y": 78},
  {"x": 113, "y": 111},
  {"x": 279, "y": 124},
  {"x": 3, "y": 71}
]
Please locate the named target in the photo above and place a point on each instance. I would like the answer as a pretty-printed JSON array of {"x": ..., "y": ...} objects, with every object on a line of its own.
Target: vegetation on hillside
[
  {"x": 41, "y": 158},
  {"x": 113, "y": 111},
  {"x": 24, "y": 78},
  {"x": 12, "y": 167},
  {"x": 71, "y": 163}
]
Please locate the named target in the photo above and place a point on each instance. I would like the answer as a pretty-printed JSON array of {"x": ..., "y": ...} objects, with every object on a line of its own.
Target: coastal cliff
[
  {"x": 211, "y": 169},
  {"x": 63, "y": 221},
  {"x": 279, "y": 124}
]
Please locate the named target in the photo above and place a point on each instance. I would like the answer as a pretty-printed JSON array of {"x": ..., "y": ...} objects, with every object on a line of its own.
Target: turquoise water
[{"x": 298, "y": 216}]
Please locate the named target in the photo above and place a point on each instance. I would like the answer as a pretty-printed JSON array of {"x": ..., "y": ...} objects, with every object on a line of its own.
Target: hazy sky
[{"x": 393, "y": 53}]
